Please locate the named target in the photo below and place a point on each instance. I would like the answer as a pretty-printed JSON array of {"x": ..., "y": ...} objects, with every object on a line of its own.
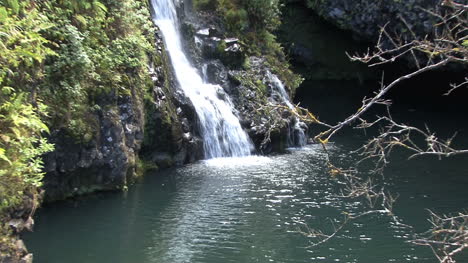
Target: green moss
[
  {"x": 88, "y": 189},
  {"x": 161, "y": 119},
  {"x": 205, "y": 4},
  {"x": 249, "y": 79},
  {"x": 148, "y": 166},
  {"x": 221, "y": 47},
  {"x": 101, "y": 55},
  {"x": 237, "y": 20}
]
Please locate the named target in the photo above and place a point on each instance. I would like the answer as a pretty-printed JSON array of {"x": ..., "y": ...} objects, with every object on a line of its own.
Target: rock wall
[
  {"x": 19, "y": 219},
  {"x": 318, "y": 49},
  {"x": 246, "y": 79},
  {"x": 171, "y": 136},
  {"x": 365, "y": 17},
  {"x": 104, "y": 163},
  {"x": 151, "y": 125}
]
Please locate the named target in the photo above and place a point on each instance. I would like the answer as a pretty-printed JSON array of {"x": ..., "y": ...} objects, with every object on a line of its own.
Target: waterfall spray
[
  {"x": 220, "y": 129},
  {"x": 297, "y": 136}
]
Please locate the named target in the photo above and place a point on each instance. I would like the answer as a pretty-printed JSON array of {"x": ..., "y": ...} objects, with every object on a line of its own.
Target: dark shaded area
[
  {"x": 334, "y": 86},
  {"x": 318, "y": 49}
]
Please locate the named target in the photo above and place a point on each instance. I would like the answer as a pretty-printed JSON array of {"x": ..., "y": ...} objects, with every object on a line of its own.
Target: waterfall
[
  {"x": 220, "y": 129},
  {"x": 297, "y": 136}
]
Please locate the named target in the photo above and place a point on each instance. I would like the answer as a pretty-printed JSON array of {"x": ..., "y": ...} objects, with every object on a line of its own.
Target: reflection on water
[{"x": 237, "y": 210}]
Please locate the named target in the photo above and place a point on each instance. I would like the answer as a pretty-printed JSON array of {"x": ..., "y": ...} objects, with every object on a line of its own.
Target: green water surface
[{"x": 245, "y": 210}]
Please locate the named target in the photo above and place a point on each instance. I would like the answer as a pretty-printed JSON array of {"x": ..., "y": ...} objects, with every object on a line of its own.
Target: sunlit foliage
[
  {"x": 60, "y": 62},
  {"x": 254, "y": 22}
]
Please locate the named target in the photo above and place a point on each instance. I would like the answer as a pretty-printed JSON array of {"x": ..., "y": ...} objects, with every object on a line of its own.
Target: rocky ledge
[
  {"x": 155, "y": 125},
  {"x": 365, "y": 17},
  {"x": 17, "y": 220},
  {"x": 248, "y": 80}
]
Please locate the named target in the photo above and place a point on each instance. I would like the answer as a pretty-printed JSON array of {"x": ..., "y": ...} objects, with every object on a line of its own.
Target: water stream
[
  {"x": 297, "y": 135},
  {"x": 220, "y": 129}
]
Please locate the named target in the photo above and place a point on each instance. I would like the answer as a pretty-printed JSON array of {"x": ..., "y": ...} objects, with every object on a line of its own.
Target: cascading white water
[
  {"x": 297, "y": 136},
  {"x": 220, "y": 129}
]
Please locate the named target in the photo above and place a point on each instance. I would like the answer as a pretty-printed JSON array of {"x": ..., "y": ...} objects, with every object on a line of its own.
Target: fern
[
  {"x": 14, "y": 6},
  {"x": 100, "y": 6}
]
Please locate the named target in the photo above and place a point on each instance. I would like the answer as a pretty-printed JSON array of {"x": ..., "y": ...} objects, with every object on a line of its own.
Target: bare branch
[
  {"x": 448, "y": 43},
  {"x": 456, "y": 86},
  {"x": 447, "y": 237},
  {"x": 376, "y": 99}
]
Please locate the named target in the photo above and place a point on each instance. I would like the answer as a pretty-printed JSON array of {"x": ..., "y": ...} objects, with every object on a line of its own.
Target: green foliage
[
  {"x": 102, "y": 49},
  {"x": 248, "y": 15},
  {"x": 21, "y": 147},
  {"x": 22, "y": 47},
  {"x": 263, "y": 14},
  {"x": 23, "y": 51},
  {"x": 205, "y": 4},
  {"x": 250, "y": 80},
  {"x": 221, "y": 47},
  {"x": 254, "y": 21},
  {"x": 76, "y": 57},
  {"x": 237, "y": 20}
]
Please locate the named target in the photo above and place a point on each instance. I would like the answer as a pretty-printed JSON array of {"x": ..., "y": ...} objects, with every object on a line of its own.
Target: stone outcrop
[
  {"x": 19, "y": 219},
  {"x": 365, "y": 17},
  {"x": 245, "y": 79},
  {"x": 171, "y": 135},
  {"x": 156, "y": 124},
  {"x": 104, "y": 163},
  {"x": 318, "y": 49}
]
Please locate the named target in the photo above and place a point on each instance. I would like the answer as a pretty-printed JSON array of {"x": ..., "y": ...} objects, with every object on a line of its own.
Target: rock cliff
[
  {"x": 365, "y": 17},
  {"x": 154, "y": 125}
]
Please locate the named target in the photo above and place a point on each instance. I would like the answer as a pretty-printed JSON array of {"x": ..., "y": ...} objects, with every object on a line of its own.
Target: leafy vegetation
[
  {"x": 23, "y": 50},
  {"x": 254, "y": 22},
  {"x": 102, "y": 49},
  {"x": 69, "y": 58}
]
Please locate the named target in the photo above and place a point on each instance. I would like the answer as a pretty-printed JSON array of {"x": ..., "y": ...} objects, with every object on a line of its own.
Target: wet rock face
[
  {"x": 104, "y": 163},
  {"x": 157, "y": 126},
  {"x": 18, "y": 220},
  {"x": 245, "y": 79},
  {"x": 365, "y": 17},
  {"x": 20, "y": 254},
  {"x": 170, "y": 135},
  {"x": 318, "y": 49},
  {"x": 214, "y": 46},
  {"x": 260, "y": 111}
]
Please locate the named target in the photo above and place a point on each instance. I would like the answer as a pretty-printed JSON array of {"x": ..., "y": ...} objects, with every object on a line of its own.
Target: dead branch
[
  {"x": 447, "y": 44},
  {"x": 447, "y": 237},
  {"x": 456, "y": 86},
  {"x": 377, "y": 99}
]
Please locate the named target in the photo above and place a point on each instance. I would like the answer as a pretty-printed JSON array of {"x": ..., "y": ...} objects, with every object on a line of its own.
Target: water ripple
[{"x": 225, "y": 210}]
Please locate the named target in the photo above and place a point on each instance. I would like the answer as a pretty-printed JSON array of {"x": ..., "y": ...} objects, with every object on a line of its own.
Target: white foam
[{"x": 253, "y": 160}]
